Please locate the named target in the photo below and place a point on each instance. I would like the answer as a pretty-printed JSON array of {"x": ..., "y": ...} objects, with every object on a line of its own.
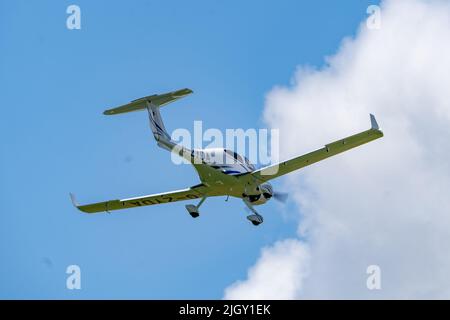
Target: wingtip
[
  {"x": 74, "y": 200},
  {"x": 373, "y": 122},
  {"x": 183, "y": 92}
]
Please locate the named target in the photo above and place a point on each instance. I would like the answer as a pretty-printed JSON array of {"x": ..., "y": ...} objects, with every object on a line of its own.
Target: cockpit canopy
[{"x": 239, "y": 159}]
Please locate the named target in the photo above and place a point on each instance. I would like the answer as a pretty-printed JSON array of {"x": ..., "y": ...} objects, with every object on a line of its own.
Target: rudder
[{"x": 157, "y": 126}]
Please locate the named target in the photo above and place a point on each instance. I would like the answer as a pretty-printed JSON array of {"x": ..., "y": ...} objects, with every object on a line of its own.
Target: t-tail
[{"x": 153, "y": 103}]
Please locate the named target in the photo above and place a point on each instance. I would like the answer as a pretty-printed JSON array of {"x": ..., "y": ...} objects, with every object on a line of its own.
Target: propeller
[{"x": 280, "y": 196}]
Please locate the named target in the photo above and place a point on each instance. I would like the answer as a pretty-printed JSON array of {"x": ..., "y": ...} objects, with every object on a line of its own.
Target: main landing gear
[
  {"x": 193, "y": 210},
  {"x": 254, "y": 218}
]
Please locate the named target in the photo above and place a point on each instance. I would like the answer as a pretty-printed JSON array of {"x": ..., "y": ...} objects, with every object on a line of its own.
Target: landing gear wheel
[
  {"x": 193, "y": 210},
  {"x": 255, "y": 219},
  {"x": 194, "y": 214}
]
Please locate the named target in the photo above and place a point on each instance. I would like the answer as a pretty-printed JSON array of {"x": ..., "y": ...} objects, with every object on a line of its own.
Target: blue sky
[{"x": 55, "y": 84}]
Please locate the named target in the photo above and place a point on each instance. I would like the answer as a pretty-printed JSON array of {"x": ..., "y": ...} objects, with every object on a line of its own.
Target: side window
[
  {"x": 237, "y": 157},
  {"x": 230, "y": 154},
  {"x": 249, "y": 164}
]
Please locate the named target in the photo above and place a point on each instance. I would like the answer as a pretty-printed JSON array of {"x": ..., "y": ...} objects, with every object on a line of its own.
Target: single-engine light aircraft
[{"x": 222, "y": 172}]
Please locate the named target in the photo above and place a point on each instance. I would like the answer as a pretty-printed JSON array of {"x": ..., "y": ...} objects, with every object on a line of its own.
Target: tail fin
[
  {"x": 153, "y": 103},
  {"x": 157, "y": 125}
]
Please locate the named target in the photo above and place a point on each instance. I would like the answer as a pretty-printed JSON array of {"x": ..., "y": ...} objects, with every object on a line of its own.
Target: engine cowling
[{"x": 265, "y": 192}]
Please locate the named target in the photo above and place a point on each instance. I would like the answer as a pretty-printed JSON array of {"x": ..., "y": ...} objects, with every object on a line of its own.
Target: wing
[
  {"x": 331, "y": 149},
  {"x": 194, "y": 192}
]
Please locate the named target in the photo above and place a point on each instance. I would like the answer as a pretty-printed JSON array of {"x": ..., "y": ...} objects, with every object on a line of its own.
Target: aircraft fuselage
[{"x": 222, "y": 167}]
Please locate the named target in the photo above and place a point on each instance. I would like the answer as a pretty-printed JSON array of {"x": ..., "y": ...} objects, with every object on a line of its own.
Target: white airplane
[{"x": 222, "y": 172}]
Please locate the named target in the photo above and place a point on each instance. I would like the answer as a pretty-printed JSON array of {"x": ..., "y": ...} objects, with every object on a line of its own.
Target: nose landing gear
[{"x": 256, "y": 219}]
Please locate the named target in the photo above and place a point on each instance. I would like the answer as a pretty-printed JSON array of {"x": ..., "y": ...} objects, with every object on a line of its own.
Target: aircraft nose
[{"x": 267, "y": 195}]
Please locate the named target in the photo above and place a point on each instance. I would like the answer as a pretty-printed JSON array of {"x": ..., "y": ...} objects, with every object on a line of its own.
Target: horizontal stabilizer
[{"x": 156, "y": 99}]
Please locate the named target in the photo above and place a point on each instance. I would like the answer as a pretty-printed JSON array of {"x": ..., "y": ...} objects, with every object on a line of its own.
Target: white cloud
[
  {"x": 387, "y": 202},
  {"x": 289, "y": 258}
]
